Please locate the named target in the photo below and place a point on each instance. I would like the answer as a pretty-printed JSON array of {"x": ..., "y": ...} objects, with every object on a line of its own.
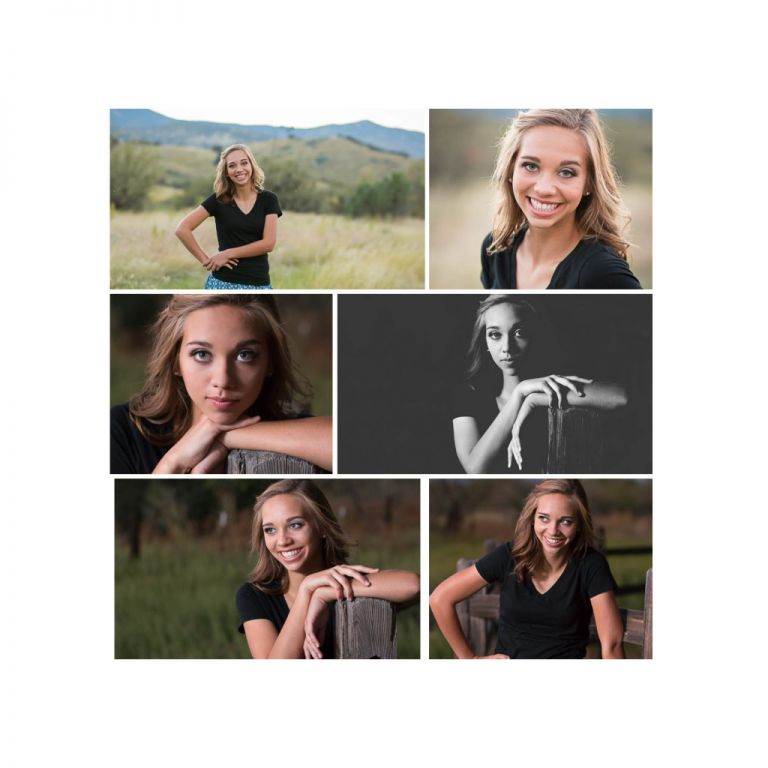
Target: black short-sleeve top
[
  {"x": 130, "y": 451},
  {"x": 252, "y": 604},
  {"x": 553, "y": 625},
  {"x": 591, "y": 264},
  {"x": 235, "y": 228}
]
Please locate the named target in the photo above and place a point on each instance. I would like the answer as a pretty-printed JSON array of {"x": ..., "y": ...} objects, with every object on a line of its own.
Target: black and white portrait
[{"x": 495, "y": 384}]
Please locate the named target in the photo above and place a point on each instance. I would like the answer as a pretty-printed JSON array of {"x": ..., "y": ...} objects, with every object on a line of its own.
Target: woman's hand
[
  {"x": 515, "y": 448},
  {"x": 556, "y": 387},
  {"x": 220, "y": 260},
  {"x": 339, "y": 579},
  {"x": 494, "y": 656},
  {"x": 315, "y": 625},
  {"x": 198, "y": 448}
]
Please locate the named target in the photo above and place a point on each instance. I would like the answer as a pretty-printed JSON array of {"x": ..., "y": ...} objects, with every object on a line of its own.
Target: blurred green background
[
  {"x": 307, "y": 319},
  {"x": 462, "y": 155},
  {"x": 464, "y": 514},
  {"x": 181, "y": 553}
]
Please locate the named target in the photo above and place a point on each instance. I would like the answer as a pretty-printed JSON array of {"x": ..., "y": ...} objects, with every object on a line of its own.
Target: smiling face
[
  {"x": 507, "y": 336},
  {"x": 549, "y": 178},
  {"x": 290, "y": 536},
  {"x": 555, "y": 523},
  {"x": 223, "y": 360},
  {"x": 239, "y": 168}
]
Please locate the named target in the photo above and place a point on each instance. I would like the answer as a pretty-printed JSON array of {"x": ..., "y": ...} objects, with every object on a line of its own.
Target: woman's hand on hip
[{"x": 220, "y": 260}]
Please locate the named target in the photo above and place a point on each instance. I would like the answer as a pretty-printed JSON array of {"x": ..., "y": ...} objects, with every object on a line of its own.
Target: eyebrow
[
  {"x": 498, "y": 327},
  {"x": 239, "y": 343},
  {"x": 289, "y": 520},
  {"x": 564, "y": 162}
]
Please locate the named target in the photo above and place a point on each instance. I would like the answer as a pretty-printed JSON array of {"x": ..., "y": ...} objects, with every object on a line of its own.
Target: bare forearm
[
  {"x": 257, "y": 248},
  {"x": 602, "y": 395},
  {"x": 395, "y": 586},
  {"x": 495, "y": 439},
  {"x": 189, "y": 241},
  {"x": 290, "y": 641},
  {"x": 444, "y": 611},
  {"x": 310, "y": 439},
  {"x": 612, "y": 650}
]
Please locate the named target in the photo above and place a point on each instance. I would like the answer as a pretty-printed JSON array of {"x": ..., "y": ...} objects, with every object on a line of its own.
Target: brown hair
[
  {"x": 163, "y": 402},
  {"x": 269, "y": 575},
  {"x": 526, "y": 548},
  {"x": 600, "y": 215},
  {"x": 223, "y": 186}
]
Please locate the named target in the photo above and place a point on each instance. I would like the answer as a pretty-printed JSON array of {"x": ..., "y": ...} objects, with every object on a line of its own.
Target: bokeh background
[
  {"x": 466, "y": 514},
  {"x": 182, "y": 552},
  {"x": 462, "y": 155},
  {"x": 307, "y": 319}
]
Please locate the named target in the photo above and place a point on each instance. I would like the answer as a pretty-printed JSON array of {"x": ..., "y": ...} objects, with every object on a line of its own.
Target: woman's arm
[
  {"x": 476, "y": 452},
  {"x": 610, "y": 630},
  {"x": 265, "y": 642},
  {"x": 310, "y": 439},
  {"x": 443, "y": 600},
  {"x": 185, "y": 233},
  {"x": 601, "y": 395}
]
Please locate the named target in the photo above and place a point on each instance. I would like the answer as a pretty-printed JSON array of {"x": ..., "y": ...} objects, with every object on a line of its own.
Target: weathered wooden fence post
[
  {"x": 241, "y": 462},
  {"x": 365, "y": 629},
  {"x": 575, "y": 440}
]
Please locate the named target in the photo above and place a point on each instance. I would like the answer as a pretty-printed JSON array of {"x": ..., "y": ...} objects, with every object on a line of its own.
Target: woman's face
[
  {"x": 223, "y": 360},
  {"x": 550, "y": 175},
  {"x": 555, "y": 523},
  {"x": 506, "y": 336},
  {"x": 239, "y": 168},
  {"x": 289, "y": 536}
]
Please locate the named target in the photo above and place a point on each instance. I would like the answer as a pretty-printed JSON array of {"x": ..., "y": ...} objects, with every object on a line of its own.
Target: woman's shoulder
[
  {"x": 465, "y": 397},
  {"x": 250, "y": 593},
  {"x": 602, "y": 267}
]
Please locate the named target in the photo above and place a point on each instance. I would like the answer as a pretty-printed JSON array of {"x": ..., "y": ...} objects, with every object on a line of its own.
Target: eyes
[
  {"x": 565, "y": 522},
  {"x": 565, "y": 173},
  {"x": 294, "y": 525},
  {"x": 518, "y": 333},
  {"x": 243, "y": 164},
  {"x": 241, "y": 356}
]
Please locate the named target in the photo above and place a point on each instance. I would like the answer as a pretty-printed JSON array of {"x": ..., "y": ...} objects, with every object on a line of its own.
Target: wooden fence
[{"x": 365, "y": 628}]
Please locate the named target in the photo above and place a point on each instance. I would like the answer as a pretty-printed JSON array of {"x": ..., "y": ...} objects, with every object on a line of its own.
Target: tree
[{"x": 133, "y": 171}]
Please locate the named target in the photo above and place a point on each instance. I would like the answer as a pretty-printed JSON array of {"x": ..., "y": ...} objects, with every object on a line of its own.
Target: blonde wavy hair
[
  {"x": 600, "y": 215},
  {"x": 271, "y": 576},
  {"x": 223, "y": 186},
  {"x": 526, "y": 548},
  {"x": 162, "y": 411}
]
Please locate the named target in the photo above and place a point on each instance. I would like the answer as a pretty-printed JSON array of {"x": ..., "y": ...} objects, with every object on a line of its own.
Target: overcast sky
[{"x": 412, "y": 119}]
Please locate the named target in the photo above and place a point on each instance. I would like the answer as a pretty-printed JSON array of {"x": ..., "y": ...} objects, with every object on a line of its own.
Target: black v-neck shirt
[
  {"x": 591, "y": 264},
  {"x": 235, "y": 228},
  {"x": 553, "y": 625}
]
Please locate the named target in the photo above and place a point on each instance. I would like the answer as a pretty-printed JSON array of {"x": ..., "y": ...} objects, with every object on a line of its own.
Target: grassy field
[
  {"x": 444, "y": 551},
  {"x": 178, "y": 600},
  {"x": 460, "y": 217},
  {"x": 313, "y": 251}
]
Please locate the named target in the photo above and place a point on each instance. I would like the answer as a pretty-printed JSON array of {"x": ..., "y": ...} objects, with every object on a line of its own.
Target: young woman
[
  {"x": 246, "y": 224},
  {"x": 559, "y": 215},
  {"x": 552, "y": 582},
  {"x": 220, "y": 376},
  {"x": 508, "y": 355},
  {"x": 285, "y": 608}
]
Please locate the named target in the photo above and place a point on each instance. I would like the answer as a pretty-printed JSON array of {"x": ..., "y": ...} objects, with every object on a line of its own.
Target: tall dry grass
[{"x": 313, "y": 251}]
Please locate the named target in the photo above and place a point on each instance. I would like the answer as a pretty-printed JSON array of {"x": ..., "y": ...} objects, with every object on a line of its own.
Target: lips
[
  {"x": 291, "y": 555},
  {"x": 222, "y": 403},
  {"x": 554, "y": 542},
  {"x": 542, "y": 208}
]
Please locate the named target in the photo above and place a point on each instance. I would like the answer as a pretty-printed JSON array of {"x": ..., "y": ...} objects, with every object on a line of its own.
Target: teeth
[
  {"x": 543, "y": 207},
  {"x": 289, "y": 553}
]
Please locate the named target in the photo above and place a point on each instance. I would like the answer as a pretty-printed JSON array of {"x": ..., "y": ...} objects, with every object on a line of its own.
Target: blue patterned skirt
[{"x": 214, "y": 284}]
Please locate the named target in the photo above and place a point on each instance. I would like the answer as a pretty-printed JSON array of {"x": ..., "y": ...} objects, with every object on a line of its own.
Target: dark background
[{"x": 401, "y": 356}]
